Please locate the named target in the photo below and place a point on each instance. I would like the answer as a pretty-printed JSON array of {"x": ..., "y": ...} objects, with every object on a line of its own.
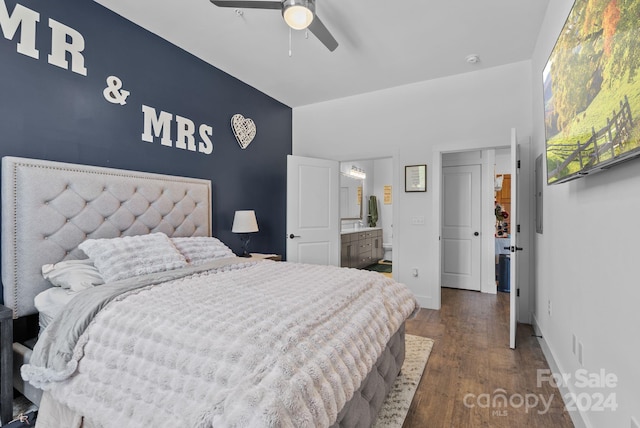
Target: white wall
[
  {"x": 587, "y": 263},
  {"x": 411, "y": 123},
  {"x": 503, "y": 161}
]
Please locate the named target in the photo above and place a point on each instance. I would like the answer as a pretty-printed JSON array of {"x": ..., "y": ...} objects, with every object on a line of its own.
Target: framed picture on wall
[
  {"x": 415, "y": 178},
  {"x": 591, "y": 90}
]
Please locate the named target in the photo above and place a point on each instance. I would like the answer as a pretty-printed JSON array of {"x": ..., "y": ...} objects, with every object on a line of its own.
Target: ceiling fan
[{"x": 298, "y": 14}]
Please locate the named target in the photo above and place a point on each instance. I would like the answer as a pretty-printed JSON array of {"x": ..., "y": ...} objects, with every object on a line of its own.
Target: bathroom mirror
[{"x": 350, "y": 197}]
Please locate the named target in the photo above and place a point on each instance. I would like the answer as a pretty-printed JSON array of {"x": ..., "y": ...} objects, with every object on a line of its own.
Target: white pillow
[
  {"x": 50, "y": 303},
  {"x": 200, "y": 249},
  {"x": 129, "y": 256},
  {"x": 75, "y": 275}
]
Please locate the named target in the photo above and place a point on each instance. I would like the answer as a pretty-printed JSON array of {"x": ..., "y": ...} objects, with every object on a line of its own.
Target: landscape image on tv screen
[{"x": 592, "y": 89}]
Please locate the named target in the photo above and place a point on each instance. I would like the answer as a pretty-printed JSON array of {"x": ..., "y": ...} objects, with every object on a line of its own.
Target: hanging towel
[{"x": 373, "y": 211}]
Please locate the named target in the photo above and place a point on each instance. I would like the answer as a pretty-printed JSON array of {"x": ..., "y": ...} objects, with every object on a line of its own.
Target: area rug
[
  {"x": 22, "y": 405},
  {"x": 395, "y": 408},
  {"x": 380, "y": 267}
]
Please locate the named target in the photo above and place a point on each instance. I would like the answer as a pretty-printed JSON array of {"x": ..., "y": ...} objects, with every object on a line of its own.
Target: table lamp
[{"x": 244, "y": 223}]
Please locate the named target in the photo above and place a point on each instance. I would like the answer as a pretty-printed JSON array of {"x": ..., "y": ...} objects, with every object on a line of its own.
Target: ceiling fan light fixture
[{"x": 298, "y": 14}]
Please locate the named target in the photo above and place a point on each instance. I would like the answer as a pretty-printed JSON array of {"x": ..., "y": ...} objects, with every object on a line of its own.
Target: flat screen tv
[{"x": 592, "y": 90}]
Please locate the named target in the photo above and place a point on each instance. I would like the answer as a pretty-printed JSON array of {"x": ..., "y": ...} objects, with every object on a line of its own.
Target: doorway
[
  {"x": 467, "y": 221},
  {"x": 375, "y": 214},
  {"x": 519, "y": 275}
]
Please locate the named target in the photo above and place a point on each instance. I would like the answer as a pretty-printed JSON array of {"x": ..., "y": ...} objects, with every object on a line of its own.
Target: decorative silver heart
[{"x": 244, "y": 129}]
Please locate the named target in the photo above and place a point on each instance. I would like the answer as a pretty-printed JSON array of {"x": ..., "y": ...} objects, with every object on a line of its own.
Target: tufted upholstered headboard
[{"x": 49, "y": 208}]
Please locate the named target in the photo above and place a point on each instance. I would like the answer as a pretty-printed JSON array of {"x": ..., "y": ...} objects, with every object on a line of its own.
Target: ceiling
[{"x": 382, "y": 43}]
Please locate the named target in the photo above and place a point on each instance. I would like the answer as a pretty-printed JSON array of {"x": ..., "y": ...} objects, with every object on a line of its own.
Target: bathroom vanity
[{"x": 361, "y": 248}]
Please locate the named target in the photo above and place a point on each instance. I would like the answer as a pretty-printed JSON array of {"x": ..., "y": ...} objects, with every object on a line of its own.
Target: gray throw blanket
[{"x": 55, "y": 355}]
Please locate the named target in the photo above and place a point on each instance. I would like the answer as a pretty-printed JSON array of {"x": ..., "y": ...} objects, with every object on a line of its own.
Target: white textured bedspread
[{"x": 269, "y": 345}]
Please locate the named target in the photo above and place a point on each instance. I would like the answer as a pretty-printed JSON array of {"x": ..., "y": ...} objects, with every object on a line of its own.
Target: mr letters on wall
[{"x": 21, "y": 24}]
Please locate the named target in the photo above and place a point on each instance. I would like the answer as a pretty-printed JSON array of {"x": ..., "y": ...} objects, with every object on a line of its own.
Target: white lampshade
[
  {"x": 244, "y": 221},
  {"x": 298, "y": 14}
]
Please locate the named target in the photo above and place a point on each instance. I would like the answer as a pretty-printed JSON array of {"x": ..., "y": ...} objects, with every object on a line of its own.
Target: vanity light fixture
[
  {"x": 244, "y": 223},
  {"x": 357, "y": 172}
]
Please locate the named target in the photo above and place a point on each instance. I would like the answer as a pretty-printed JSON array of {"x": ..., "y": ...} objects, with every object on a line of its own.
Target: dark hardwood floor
[{"x": 471, "y": 365}]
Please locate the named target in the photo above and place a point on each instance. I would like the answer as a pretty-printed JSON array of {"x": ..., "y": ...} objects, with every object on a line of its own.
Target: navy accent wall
[{"x": 49, "y": 112}]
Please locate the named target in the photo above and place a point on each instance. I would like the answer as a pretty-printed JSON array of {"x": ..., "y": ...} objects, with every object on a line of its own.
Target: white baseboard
[
  {"x": 427, "y": 302},
  {"x": 576, "y": 416}
]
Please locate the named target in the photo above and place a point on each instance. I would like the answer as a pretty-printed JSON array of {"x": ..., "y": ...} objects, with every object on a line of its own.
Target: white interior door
[
  {"x": 461, "y": 215},
  {"x": 513, "y": 274},
  {"x": 313, "y": 211}
]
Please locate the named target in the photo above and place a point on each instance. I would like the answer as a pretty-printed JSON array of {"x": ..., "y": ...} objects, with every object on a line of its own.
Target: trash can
[{"x": 504, "y": 273}]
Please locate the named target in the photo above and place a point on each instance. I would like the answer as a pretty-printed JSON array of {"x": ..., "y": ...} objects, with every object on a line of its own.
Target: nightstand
[
  {"x": 274, "y": 257},
  {"x": 6, "y": 364}
]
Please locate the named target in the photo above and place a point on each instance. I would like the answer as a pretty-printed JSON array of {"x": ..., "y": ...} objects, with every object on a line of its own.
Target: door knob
[
  {"x": 293, "y": 236},
  {"x": 476, "y": 233}
]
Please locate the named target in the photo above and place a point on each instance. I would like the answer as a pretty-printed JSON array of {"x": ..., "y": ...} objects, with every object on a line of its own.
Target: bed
[{"x": 210, "y": 341}]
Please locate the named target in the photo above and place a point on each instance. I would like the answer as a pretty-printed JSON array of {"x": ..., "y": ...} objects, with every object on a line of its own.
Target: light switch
[{"x": 417, "y": 220}]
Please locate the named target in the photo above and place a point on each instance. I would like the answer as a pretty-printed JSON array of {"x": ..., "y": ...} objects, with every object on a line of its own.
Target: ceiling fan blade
[
  {"x": 322, "y": 33},
  {"x": 248, "y": 4}
]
